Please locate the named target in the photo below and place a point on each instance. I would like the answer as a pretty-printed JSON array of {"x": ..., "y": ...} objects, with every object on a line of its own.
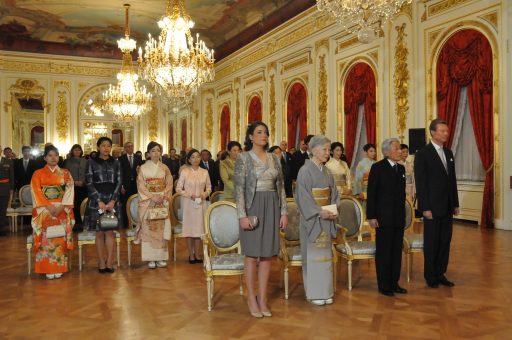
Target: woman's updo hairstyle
[
  {"x": 250, "y": 131},
  {"x": 189, "y": 155},
  {"x": 152, "y": 144},
  {"x": 50, "y": 148}
]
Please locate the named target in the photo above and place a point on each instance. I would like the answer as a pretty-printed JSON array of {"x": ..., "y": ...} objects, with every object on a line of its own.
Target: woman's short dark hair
[
  {"x": 103, "y": 139},
  {"x": 76, "y": 146},
  {"x": 250, "y": 131},
  {"x": 232, "y": 144},
  {"x": 337, "y": 144},
  {"x": 274, "y": 148},
  {"x": 190, "y": 153},
  {"x": 368, "y": 147},
  {"x": 49, "y": 149},
  {"x": 152, "y": 144},
  {"x": 404, "y": 146}
]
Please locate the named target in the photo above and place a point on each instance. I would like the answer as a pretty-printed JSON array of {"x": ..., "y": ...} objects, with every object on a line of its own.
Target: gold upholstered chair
[
  {"x": 216, "y": 196},
  {"x": 349, "y": 243},
  {"x": 221, "y": 239},
  {"x": 132, "y": 211},
  {"x": 25, "y": 208},
  {"x": 413, "y": 243},
  {"x": 176, "y": 220},
  {"x": 89, "y": 237},
  {"x": 289, "y": 254}
]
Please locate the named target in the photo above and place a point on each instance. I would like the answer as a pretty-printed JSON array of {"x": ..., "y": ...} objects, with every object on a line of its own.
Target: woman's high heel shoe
[{"x": 266, "y": 313}]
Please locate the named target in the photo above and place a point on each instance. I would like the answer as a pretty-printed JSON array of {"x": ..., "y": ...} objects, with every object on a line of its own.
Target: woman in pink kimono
[
  {"x": 194, "y": 185},
  {"x": 154, "y": 184}
]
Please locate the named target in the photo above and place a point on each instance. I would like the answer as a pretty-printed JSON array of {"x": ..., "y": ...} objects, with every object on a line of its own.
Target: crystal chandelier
[
  {"x": 364, "y": 17},
  {"x": 175, "y": 64},
  {"x": 128, "y": 99}
]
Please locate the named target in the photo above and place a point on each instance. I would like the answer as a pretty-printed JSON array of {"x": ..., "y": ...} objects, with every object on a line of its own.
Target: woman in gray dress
[
  {"x": 315, "y": 189},
  {"x": 259, "y": 192},
  {"x": 103, "y": 181}
]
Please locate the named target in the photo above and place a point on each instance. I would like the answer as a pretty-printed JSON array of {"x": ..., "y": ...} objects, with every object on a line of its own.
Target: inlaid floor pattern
[{"x": 170, "y": 303}]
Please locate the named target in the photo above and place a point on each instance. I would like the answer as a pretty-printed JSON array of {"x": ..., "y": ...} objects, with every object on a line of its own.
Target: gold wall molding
[
  {"x": 406, "y": 9},
  {"x": 57, "y": 68},
  {"x": 346, "y": 44},
  {"x": 27, "y": 88},
  {"x": 255, "y": 78},
  {"x": 401, "y": 81},
  {"x": 236, "y": 83},
  {"x": 209, "y": 120},
  {"x": 375, "y": 56},
  {"x": 282, "y": 40},
  {"x": 273, "y": 105},
  {"x": 491, "y": 18},
  {"x": 322, "y": 94},
  {"x": 432, "y": 36},
  {"x": 304, "y": 60},
  {"x": 82, "y": 85},
  {"x": 153, "y": 123},
  {"x": 223, "y": 91},
  {"x": 322, "y": 43},
  {"x": 63, "y": 83},
  {"x": 286, "y": 86},
  {"x": 444, "y": 6},
  {"x": 62, "y": 116}
]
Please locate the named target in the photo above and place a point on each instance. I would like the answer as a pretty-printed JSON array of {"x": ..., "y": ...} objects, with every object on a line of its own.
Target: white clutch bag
[
  {"x": 332, "y": 208},
  {"x": 55, "y": 231}
]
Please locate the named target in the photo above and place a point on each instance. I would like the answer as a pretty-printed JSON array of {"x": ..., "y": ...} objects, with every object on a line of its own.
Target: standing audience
[
  {"x": 129, "y": 162},
  {"x": 339, "y": 170},
  {"x": 24, "y": 168},
  {"x": 227, "y": 170},
  {"x": 77, "y": 166}
]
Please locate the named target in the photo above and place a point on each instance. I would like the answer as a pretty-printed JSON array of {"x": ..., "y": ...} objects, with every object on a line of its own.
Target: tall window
[{"x": 297, "y": 114}]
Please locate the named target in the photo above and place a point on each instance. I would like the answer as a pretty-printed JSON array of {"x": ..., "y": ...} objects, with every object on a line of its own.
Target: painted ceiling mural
[{"x": 91, "y": 28}]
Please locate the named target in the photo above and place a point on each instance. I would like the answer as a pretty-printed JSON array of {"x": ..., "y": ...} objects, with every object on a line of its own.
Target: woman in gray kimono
[
  {"x": 315, "y": 189},
  {"x": 259, "y": 192}
]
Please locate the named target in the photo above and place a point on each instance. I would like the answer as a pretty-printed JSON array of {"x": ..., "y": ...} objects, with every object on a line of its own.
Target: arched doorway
[
  {"x": 464, "y": 96},
  {"x": 225, "y": 125},
  {"x": 297, "y": 114},
  {"x": 360, "y": 111},
  {"x": 254, "y": 110}
]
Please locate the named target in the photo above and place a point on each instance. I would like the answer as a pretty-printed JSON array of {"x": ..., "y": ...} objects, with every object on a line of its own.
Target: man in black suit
[
  {"x": 209, "y": 164},
  {"x": 287, "y": 169},
  {"x": 129, "y": 164},
  {"x": 300, "y": 156},
  {"x": 24, "y": 168},
  {"x": 385, "y": 210},
  {"x": 438, "y": 200},
  {"x": 173, "y": 163},
  {"x": 6, "y": 189}
]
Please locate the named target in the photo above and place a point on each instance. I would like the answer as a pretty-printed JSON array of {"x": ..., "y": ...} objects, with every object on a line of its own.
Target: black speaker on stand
[{"x": 416, "y": 140}]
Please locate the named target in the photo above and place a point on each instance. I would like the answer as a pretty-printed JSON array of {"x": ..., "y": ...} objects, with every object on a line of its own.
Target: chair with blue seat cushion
[
  {"x": 221, "y": 245},
  {"x": 26, "y": 205},
  {"x": 89, "y": 237},
  {"x": 289, "y": 254},
  {"x": 349, "y": 243},
  {"x": 176, "y": 215},
  {"x": 413, "y": 243},
  {"x": 132, "y": 211}
]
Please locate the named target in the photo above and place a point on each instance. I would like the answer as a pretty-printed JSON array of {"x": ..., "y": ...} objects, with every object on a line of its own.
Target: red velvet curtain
[
  {"x": 183, "y": 134},
  {"x": 297, "y": 114},
  {"x": 360, "y": 88},
  {"x": 224, "y": 127},
  {"x": 171, "y": 136},
  {"x": 466, "y": 60},
  {"x": 254, "y": 110}
]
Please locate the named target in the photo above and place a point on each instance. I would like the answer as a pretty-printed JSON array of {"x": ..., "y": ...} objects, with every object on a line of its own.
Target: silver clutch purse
[{"x": 108, "y": 221}]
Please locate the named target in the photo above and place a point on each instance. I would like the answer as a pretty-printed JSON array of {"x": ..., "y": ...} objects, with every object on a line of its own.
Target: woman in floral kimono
[
  {"x": 154, "y": 184},
  {"x": 363, "y": 170},
  {"x": 52, "y": 216},
  {"x": 339, "y": 170}
]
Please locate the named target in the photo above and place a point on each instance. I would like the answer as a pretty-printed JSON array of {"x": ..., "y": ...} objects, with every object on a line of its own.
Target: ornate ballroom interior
[{"x": 284, "y": 62}]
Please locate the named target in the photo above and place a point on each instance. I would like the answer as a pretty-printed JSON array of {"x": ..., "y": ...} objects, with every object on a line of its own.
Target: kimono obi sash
[
  {"x": 322, "y": 196},
  {"x": 155, "y": 184},
  {"x": 53, "y": 192},
  {"x": 340, "y": 180},
  {"x": 408, "y": 178}
]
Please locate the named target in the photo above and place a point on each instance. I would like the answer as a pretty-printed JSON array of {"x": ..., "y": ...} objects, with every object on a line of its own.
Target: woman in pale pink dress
[{"x": 194, "y": 184}]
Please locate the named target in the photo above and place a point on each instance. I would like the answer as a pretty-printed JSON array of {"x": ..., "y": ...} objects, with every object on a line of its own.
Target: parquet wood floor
[{"x": 139, "y": 303}]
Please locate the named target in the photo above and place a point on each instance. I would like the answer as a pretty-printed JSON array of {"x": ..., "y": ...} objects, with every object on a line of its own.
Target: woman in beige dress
[
  {"x": 194, "y": 185},
  {"x": 227, "y": 169},
  {"x": 154, "y": 184},
  {"x": 339, "y": 170}
]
